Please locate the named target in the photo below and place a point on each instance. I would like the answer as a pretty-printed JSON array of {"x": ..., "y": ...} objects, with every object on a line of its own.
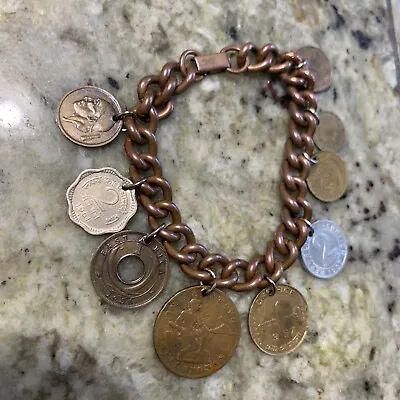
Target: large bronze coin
[
  {"x": 278, "y": 324},
  {"x": 319, "y": 65},
  {"x": 85, "y": 116},
  {"x": 328, "y": 178},
  {"x": 195, "y": 334},
  {"x": 108, "y": 280},
  {"x": 330, "y": 133}
]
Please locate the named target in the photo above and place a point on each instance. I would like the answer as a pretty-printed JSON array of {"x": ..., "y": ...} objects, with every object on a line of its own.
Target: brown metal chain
[{"x": 155, "y": 94}]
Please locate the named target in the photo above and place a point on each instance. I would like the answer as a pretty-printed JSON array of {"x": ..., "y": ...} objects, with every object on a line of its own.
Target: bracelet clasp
[{"x": 212, "y": 63}]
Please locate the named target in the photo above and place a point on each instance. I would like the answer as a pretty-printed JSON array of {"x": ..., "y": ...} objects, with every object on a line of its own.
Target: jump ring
[
  {"x": 236, "y": 50},
  {"x": 313, "y": 112},
  {"x": 271, "y": 290},
  {"x": 147, "y": 238},
  {"x": 312, "y": 160},
  {"x": 134, "y": 185},
  {"x": 189, "y": 55},
  {"x": 207, "y": 291},
  {"x": 301, "y": 65},
  {"x": 122, "y": 115},
  {"x": 310, "y": 227}
]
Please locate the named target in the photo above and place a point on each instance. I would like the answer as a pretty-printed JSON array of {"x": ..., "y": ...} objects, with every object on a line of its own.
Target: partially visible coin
[
  {"x": 278, "y": 324},
  {"x": 319, "y": 65},
  {"x": 195, "y": 334},
  {"x": 97, "y": 202},
  {"x": 328, "y": 178},
  {"x": 330, "y": 133},
  {"x": 324, "y": 254},
  {"x": 85, "y": 116},
  {"x": 106, "y": 277}
]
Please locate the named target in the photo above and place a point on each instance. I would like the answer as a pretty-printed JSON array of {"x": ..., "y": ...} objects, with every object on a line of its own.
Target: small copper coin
[
  {"x": 85, "y": 116},
  {"x": 330, "y": 133},
  {"x": 278, "y": 324},
  {"x": 106, "y": 277},
  {"x": 195, "y": 334},
  {"x": 319, "y": 65},
  {"x": 97, "y": 202},
  {"x": 328, "y": 178}
]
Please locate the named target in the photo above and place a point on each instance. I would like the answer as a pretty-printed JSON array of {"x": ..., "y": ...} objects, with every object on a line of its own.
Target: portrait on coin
[{"x": 91, "y": 115}]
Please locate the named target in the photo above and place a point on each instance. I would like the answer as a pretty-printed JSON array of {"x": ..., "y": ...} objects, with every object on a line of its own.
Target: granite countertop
[{"x": 221, "y": 151}]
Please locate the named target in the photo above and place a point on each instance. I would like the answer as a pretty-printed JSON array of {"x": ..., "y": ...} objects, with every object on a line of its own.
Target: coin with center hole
[
  {"x": 85, "y": 116},
  {"x": 319, "y": 65},
  {"x": 111, "y": 283},
  {"x": 97, "y": 202},
  {"x": 330, "y": 133},
  {"x": 195, "y": 334},
  {"x": 278, "y": 324},
  {"x": 328, "y": 178},
  {"x": 324, "y": 253}
]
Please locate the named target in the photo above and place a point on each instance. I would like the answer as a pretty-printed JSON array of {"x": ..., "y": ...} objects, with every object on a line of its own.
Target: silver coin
[
  {"x": 109, "y": 283},
  {"x": 97, "y": 202},
  {"x": 85, "y": 116},
  {"x": 324, "y": 253}
]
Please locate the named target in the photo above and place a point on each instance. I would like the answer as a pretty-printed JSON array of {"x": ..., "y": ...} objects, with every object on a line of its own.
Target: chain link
[{"x": 155, "y": 94}]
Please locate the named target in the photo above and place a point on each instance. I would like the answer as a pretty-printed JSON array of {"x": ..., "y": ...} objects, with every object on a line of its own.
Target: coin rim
[
  {"x": 344, "y": 261},
  {"x": 251, "y": 330},
  {"x": 343, "y": 129},
  {"x": 77, "y": 221},
  {"x": 114, "y": 103},
  {"x": 197, "y": 287},
  {"x": 330, "y": 199},
  {"x": 323, "y": 88},
  {"x": 154, "y": 294}
]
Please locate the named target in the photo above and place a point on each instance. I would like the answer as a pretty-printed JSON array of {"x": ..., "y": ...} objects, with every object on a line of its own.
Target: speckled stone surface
[{"x": 221, "y": 151}]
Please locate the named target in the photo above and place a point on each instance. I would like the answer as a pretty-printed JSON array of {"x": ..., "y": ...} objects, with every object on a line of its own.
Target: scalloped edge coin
[{"x": 77, "y": 211}]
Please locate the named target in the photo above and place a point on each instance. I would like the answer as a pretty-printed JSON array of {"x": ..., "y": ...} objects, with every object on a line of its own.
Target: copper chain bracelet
[
  {"x": 155, "y": 103},
  {"x": 198, "y": 329}
]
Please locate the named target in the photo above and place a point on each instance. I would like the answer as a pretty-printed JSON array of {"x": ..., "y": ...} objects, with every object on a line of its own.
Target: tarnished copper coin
[
  {"x": 330, "y": 133},
  {"x": 278, "y": 324},
  {"x": 328, "y": 178},
  {"x": 319, "y": 65},
  {"x": 106, "y": 276},
  {"x": 97, "y": 202},
  {"x": 195, "y": 335},
  {"x": 85, "y": 116}
]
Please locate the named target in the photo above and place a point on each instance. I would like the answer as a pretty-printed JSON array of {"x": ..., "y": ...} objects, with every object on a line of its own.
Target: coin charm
[
  {"x": 319, "y": 65},
  {"x": 97, "y": 202},
  {"x": 278, "y": 324},
  {"x": 195, "y": 334},
  {"x": 330, "y": 133},
  {"x": 328, "y": 178},
  {"x": 106, "y": 275},
  {"x": 85, "y": 116},
  {"x": 324, "y": 254}
]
